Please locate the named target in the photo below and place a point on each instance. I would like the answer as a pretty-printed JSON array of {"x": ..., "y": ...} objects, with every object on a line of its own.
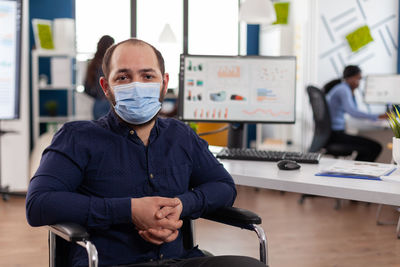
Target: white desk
[
  {"x": 267, "y": 175},
  {"x": 354, "y": 125}
]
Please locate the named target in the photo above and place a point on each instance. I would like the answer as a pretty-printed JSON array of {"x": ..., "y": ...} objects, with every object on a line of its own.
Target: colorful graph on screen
[
  {"x": 266, "y": 112},
  {"x": 254, "y": 89},
  {"x": 264, "y": 94},
  {"x": 229, "y": 72}
]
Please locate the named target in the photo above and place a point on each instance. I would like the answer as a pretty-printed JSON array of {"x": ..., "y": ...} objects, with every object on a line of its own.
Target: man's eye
[
  {"x": 148, "y": 77},
  {"x": 122, "y": 78}
]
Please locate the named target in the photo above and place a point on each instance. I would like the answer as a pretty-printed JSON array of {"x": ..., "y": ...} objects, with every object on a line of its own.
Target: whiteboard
[
  {"x": 237, "y": 89},
  {"x": 10, "y": 30},
  {"x": 382, "y": 89}
]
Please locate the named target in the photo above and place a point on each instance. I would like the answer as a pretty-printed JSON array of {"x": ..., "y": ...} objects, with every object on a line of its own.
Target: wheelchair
[{"x": 61, "y": 235}]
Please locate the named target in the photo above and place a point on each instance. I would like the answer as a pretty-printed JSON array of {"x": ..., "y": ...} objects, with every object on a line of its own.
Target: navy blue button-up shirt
[{"x": 92, "y": 169}]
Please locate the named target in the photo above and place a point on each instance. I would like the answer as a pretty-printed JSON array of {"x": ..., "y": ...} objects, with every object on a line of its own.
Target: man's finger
[
  {"x": 172, "y": 237},
  {"x": 160, "y": 233},
  {"x": 149, "y": 238},
  {"x": 170, "y": 202},
  {"x": 169, "y": 224},
  {"x": 164, "y": 212}
]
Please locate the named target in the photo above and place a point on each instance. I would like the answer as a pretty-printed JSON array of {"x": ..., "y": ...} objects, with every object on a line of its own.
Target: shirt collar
[
  {"x": 119, "y": 126},
  {"x": 155, "y": 132}
]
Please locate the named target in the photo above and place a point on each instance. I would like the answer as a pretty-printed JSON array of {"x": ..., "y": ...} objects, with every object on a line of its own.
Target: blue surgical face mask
[{"x": 137, "y": 103}]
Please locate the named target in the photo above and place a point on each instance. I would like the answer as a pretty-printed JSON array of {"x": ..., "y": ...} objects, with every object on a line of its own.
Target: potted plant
[
  {"x": 395, "y": 125},
  {"x": 51, "y": 107}
]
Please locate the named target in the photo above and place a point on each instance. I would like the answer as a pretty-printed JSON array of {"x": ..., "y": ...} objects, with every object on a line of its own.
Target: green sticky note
[
  {"x": 359, "y": 38},
  {"x": 282, "y": 12},
  {"x": 45, "y": 37}
]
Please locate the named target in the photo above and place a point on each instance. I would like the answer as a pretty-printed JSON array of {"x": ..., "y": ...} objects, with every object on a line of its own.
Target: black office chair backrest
[
  {"x": 63, "y": 249},
  {"x": 322, "y": 119},
  {"x": 187, "y": 234}
]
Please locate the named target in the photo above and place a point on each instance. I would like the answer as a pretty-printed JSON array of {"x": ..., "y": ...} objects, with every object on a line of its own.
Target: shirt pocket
[{"x": 173, "y": 180}]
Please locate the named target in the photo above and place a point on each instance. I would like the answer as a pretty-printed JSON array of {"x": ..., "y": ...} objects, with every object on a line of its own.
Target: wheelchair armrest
[
  {"x": 234, "y": 216},
  {"x": 71, "y": 232}
]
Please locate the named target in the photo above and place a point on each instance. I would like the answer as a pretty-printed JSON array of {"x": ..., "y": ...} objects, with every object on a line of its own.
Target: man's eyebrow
[
  {"x": 147, "y": 70},
  {"x": 123, "y": 70}
]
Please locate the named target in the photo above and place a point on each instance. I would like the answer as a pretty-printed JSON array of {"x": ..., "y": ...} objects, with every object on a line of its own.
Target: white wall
[
  {"x": 309, "y": 67},
  {"x": 15, "y": 146},
  {"x": 341, "y": 17},
  {"x": 291, "y": 39}
]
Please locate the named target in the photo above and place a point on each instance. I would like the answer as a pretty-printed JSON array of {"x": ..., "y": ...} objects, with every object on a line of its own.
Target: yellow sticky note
[
  {"x": 359, "y": 38},
  {"x": 282, "y": 12},
  {"x": 45, "y": 37}
]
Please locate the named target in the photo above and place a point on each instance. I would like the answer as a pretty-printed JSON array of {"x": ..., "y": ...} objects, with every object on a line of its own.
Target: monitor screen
[
  {"x": 10, "y": 53},
  {"x": 254, "y": 89},
  {"x": 382, "y": 89}
]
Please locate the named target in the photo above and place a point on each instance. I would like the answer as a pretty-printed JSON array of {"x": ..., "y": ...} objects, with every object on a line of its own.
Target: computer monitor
[
  {"x": 382, "y": 89},
  {"x": 10, "y": 55},
  {"x": 248, "y": 89}
]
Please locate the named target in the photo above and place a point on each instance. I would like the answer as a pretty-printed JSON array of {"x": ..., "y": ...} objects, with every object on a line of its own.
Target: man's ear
[
  {"x": 165, "y": 83},
  {"x": 105, "y": 86}
]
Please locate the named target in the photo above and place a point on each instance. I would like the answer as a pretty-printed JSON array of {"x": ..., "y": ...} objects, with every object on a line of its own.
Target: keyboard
[{"x": 267, "y": 155}]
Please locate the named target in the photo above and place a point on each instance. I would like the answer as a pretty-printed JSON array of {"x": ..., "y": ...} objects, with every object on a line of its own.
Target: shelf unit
[{"x": 37, "y": 117}]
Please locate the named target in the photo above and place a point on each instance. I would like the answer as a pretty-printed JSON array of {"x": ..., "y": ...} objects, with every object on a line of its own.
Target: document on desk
[{"x": 358, "y": 170}]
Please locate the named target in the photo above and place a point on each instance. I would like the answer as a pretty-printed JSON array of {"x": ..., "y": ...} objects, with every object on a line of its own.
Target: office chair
[
  {"x": 322, "y": 128},
  {"x": 322, "y": 131},
  {"x": 60, "y": 235}
]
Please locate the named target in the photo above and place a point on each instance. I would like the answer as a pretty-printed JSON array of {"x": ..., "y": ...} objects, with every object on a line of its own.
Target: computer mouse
[{"x": 288, "y": 165}]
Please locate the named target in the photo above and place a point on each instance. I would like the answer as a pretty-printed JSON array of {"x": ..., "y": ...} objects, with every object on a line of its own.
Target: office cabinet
[{"x": 53, "y": 88}]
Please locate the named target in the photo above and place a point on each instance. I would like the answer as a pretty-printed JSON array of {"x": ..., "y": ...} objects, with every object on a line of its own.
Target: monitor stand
[{"x": 235, "y": 135}]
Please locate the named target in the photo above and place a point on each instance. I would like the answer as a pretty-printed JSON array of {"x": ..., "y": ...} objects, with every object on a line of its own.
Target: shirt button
[
  {"x": 131, "y": 131},
  {"x": 161, "y": 256},
  {"x": 151, "y": 176},
  {"x": 151, "y": 259}
]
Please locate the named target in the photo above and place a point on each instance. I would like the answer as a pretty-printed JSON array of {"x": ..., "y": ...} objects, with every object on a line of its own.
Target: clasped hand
[{"x": 157, "y": 218}]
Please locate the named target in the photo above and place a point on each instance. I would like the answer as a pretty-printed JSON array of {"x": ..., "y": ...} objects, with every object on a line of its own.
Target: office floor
[{"x": 312, "y": 235}]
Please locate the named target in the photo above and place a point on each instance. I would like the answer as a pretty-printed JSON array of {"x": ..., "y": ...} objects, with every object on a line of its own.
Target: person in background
[
  {"x": 94, "y": 72},
  {"x": 341, "y": 100},
  {"x": 131, "y": 177}
]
